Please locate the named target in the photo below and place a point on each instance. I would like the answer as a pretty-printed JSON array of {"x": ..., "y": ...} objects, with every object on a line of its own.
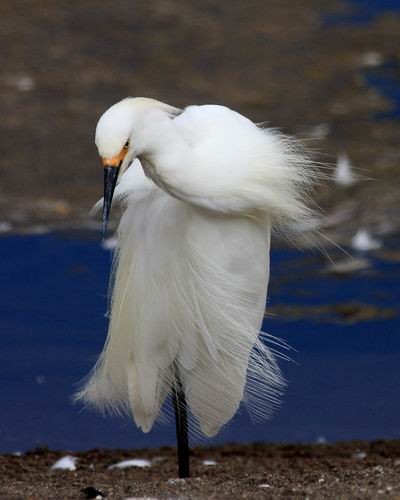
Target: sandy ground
[
  {"x": 341, "y": 471},
  {"x": 279, "y": 61}
]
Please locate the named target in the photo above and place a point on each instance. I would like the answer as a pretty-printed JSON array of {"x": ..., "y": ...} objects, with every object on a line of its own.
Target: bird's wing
[
  {"x": 236, "y": 166},
  {"x": 224, "y": 271}
]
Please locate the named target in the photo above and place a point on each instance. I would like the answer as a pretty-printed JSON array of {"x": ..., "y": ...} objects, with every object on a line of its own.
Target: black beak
[{"x": 110, "y": 180}]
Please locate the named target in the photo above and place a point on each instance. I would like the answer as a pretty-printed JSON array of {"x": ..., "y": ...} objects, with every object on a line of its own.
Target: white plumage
[{"x": 205, "y": 187}]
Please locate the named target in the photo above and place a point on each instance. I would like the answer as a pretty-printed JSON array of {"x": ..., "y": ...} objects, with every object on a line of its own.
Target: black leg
[{"x": 181, "y": 421}]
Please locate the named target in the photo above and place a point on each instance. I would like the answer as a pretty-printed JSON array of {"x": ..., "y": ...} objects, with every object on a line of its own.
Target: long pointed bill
[{"x": 110, "y": 180}]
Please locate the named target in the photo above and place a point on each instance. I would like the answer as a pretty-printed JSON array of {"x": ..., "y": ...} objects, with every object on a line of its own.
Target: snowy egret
[{"x": 200, "y": 191}]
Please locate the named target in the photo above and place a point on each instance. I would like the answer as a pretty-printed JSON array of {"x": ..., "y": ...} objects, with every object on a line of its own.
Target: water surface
[{"x": 343, "y": 383}]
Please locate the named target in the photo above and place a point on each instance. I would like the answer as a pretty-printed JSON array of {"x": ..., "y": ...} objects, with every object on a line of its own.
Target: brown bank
[
  {"x": 67, "y": 62},
  {"x": 338, "y": 471}
]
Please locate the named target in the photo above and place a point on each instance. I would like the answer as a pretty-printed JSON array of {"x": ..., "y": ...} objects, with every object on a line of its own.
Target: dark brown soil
[
  {"x": 339, "y": 471},
  {"x": 65, "y": 62}
]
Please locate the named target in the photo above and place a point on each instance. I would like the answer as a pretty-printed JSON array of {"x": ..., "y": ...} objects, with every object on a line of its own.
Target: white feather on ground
[
  {"x": 65, "y": 463},
  {"x": 133, "y": 462},
  {"x": 191, "y": 273}
]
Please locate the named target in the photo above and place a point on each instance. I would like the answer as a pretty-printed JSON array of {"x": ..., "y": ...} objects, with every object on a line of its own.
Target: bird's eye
[{"x": 126, "y": 145}]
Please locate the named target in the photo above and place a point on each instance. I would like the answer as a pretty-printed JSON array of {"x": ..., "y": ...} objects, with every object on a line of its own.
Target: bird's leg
[{"x": 181, "y": 421}]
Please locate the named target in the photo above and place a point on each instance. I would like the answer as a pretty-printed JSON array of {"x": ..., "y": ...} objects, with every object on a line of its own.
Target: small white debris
[
  {"x": 265, "y": 485},
  {"x": 5, "y": 227},
  {"x": 359, "y": 455},
  {"x": 344, "y": 171},
  {"x": 319, "y": 131},
  {"x": 110, "y": 244},
  {"x": 179, "y": 480},
  {"x": 40, "y": 379},
  {"x": 321, "y": 480},
  {"x": 321, "y": 440},
  {"x": 23, "y": 83},
  {"x": 134, "y": 462},
  {"x": 65, "y": 463},
  {"x": 371, "y": 59},
  {"x": 17, "y": 453},
  {"x": 209, "y": 462},
  {"x": 363, "y": 241}
]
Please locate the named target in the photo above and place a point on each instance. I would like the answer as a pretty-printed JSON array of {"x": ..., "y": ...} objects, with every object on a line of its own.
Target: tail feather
[{"x": 147, "y": 390}]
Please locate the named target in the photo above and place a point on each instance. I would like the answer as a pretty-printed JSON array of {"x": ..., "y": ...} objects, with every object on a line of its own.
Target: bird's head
[
  {"x": 119, "y": 140},
  {"x": 114, "y": 143}
]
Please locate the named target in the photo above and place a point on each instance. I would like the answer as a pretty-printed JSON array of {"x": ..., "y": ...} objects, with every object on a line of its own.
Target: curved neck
[
  {"x": 158, "y": 137},
  {"x": 165, "y": 156}
]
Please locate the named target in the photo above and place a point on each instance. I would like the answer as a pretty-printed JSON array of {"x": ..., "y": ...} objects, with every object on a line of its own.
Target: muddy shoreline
[{"x": 355, "y": 469}]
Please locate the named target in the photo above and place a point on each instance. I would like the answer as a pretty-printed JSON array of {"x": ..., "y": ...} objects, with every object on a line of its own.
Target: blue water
[
  {"x": 386, "y": 80},
  {"x": 361, "y": 12},
  {"x": 344, "y": 383}
]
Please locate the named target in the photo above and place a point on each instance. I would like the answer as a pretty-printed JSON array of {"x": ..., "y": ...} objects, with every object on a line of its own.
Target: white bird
[{"x": 200, "y": 190}]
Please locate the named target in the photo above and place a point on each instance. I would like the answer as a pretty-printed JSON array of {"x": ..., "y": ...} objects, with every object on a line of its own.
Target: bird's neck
[
  {"x": 164, "y": 154},
  {"x": 160, "y": 139}
]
